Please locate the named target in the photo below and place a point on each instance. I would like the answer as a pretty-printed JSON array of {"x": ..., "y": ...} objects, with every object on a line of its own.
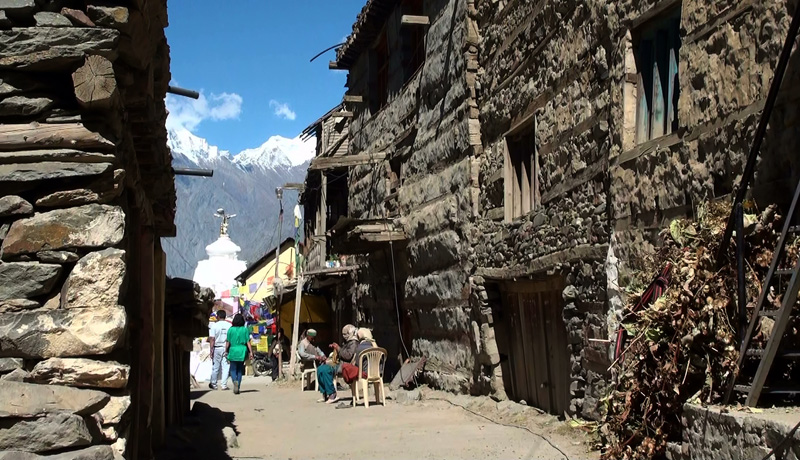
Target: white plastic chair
[
  {"x": 371, "y": 361},
  {"x": 308, "y": 372}
]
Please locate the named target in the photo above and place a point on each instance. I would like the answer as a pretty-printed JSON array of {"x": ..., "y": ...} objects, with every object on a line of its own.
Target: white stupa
[{"x": 219, "y": 271}]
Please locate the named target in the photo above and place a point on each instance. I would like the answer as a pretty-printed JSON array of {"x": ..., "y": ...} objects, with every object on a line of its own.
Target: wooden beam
[
  {"x": 342, "y": 114},
  {"x": 345, "y": 161},
  {"x": 353, "y": 98},
  {"x": 95, "y": 84},
  {"x": 411, "y": 20},
  {"x": 333, "y": 65}
]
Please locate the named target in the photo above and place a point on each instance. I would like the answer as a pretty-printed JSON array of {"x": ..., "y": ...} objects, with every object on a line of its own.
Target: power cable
[{"x": 543, "y": 437}]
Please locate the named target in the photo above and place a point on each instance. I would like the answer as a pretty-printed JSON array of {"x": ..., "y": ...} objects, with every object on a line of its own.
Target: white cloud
[
  {"x": 189, "y": 113},
  {"x": 282, "y": 110}
]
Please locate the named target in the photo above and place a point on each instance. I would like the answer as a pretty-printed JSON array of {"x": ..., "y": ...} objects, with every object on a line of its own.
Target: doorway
[{"x": 535, "y": 340}]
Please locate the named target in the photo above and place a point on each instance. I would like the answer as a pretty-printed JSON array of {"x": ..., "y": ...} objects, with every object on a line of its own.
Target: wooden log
[
  {"x": 408, "y": 19},
  {"x": 65, "y": 135},
  {"x": 95, "y": 84},
  {"x": 353, "y": 98},
  {"x": 345, "y": 161}
]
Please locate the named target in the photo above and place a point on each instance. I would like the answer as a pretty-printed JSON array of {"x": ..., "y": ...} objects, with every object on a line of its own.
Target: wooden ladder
[{"x": 781, "y": 315}]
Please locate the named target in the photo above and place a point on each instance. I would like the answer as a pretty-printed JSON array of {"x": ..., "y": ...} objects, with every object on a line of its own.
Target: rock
[
  {"x": 103, "y": 268},
  {"x": 570, "y": 293},
  {"x": 27, "y": 172},
  {"x": 230, "y": 437},
  {"x": 18, "y": 8},
  {"x": 46, "y": 48},
  {"x": 101, "y": 191},
  {"x": 89, "y": 453},
  {"x": 50, "y": 19},
  {"x": 110, "y": 433},
  {"x": 12, "y": 305},
  {"x": 119, "y": 447},
  {"x": 61, "y": 333},
  {"x": 81, "y": 372},
  {"x": 10, "y": 364},
  {"x": 77, "y": 17},
  {"x": 23, "y": 106},
  {"x": 56, "y": 431},
  {"x": 112, "y": 413},
  {"x": 115, "y": 17},
  {"x": 65, "y": 155},
  {"x": 4, "y": 230},
  {"x": 407, "y": 396},
  {"x": 17, "y": 375},
  {"x": 13, "y": 205},
  {"x": 27, "y": 279},
  {"x": 53, "y": 303},
  {"x": 92, "y": 225},
  {"x": 26, "y": 400},
  {"x": 57, "y": 257}
]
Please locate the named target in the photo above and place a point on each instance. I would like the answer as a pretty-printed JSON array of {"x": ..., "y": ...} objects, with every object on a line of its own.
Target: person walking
[
  {"x": 218, "y": 339},
  {"x": 238, "y": 349}
]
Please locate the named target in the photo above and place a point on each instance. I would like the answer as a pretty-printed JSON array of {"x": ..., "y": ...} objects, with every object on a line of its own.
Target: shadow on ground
[{"x": 202, "y": 435}]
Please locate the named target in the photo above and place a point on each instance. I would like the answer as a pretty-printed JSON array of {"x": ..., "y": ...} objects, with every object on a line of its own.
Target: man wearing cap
[{"x": 308, "y": 351}]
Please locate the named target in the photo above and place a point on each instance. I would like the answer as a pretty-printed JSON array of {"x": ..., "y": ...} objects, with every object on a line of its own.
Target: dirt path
[{"x": 280, "y": 422}]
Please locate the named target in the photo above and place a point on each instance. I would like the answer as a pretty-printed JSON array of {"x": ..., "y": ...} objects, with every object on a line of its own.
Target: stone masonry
[
  {"x": 612, "y": 159},
  {"x": 85, "y": 180}
]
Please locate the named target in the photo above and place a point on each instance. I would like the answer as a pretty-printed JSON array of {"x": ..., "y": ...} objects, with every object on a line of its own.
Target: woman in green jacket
[{"x": 237, "y": 350}]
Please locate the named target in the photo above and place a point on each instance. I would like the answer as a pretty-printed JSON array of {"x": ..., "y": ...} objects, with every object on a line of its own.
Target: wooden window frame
[
  {"x": 521, "y": 172},
  {"x": 656, "y": 46}
]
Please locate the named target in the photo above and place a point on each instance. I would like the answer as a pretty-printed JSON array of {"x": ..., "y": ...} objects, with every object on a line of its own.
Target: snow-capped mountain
[{"x": 243, "y": 184}]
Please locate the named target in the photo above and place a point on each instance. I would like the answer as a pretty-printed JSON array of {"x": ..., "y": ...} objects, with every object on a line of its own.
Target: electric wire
[{"x": 543, "y": 437}]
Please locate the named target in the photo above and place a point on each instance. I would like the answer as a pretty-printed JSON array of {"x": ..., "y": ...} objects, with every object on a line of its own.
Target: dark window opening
[
  {"x": 381, "y": 67},
  {"x": 336, "y": 199},
  {"x": 656, "y": 47},
  {"x": 522, "y": 171},
  {"x": 413, "y": 39},
  {"x": 395, "y": 174}
]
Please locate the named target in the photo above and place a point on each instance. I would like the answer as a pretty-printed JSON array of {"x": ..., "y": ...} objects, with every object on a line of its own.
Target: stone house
[
  {"x": 91, "y": 353},
  {"x": 512, "y": 160}
]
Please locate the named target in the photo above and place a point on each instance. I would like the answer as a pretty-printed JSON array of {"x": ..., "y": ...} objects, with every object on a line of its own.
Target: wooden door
[{"x": 536, "y": 341}]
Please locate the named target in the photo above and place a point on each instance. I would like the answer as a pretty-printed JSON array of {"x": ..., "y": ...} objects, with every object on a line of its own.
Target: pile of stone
[
  {"x": 683, "y": 346},
  {"x": 81, "y": 97}
]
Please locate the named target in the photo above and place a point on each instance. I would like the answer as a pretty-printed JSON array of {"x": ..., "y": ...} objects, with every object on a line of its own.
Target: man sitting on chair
[{"x": 309, "y": 352}]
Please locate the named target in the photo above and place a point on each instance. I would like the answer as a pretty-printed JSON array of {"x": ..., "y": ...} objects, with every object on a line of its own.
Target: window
[
  {"x": 656, "y": 48},
  {"x": 521, "y": 174},
  {"x": 413, "y": 39},
  {"x": 381, "y": 71}
]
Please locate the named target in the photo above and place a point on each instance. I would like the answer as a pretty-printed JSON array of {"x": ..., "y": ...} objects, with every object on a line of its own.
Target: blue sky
[{"x": 250, "y": 60}]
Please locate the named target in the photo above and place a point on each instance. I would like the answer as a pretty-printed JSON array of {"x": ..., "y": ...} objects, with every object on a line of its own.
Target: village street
[{"x": 280, "y": 422}]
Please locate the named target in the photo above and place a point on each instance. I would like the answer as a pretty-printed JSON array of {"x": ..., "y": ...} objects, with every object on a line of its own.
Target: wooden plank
[
  {"x": 538, "y": 330},
  {"x": 344, "y": 161},
  {"x": 344, "y": 114},
  {"x": 412, "y": 20},
  {"x": 333, "y": 65},
  {"x": 353, "y": 98},
  {"x": 65, "y": 135}
]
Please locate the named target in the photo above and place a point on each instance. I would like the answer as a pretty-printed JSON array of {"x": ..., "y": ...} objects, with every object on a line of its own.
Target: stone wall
[
  {"x": 85, "y": 193},
  {"x": 710, "y": 433},
  {"x": 426, "y": 129},
  {"x": 567, "y": 71}
]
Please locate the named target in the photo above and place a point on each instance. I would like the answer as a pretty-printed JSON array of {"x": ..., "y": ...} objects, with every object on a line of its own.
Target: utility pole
[
  {"x": 299, "y": 286},
  {"x": 279, "y": 194}
]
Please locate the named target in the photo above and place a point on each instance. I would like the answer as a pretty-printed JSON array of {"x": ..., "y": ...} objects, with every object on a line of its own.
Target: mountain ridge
[{"x": 243, "y": 184}]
